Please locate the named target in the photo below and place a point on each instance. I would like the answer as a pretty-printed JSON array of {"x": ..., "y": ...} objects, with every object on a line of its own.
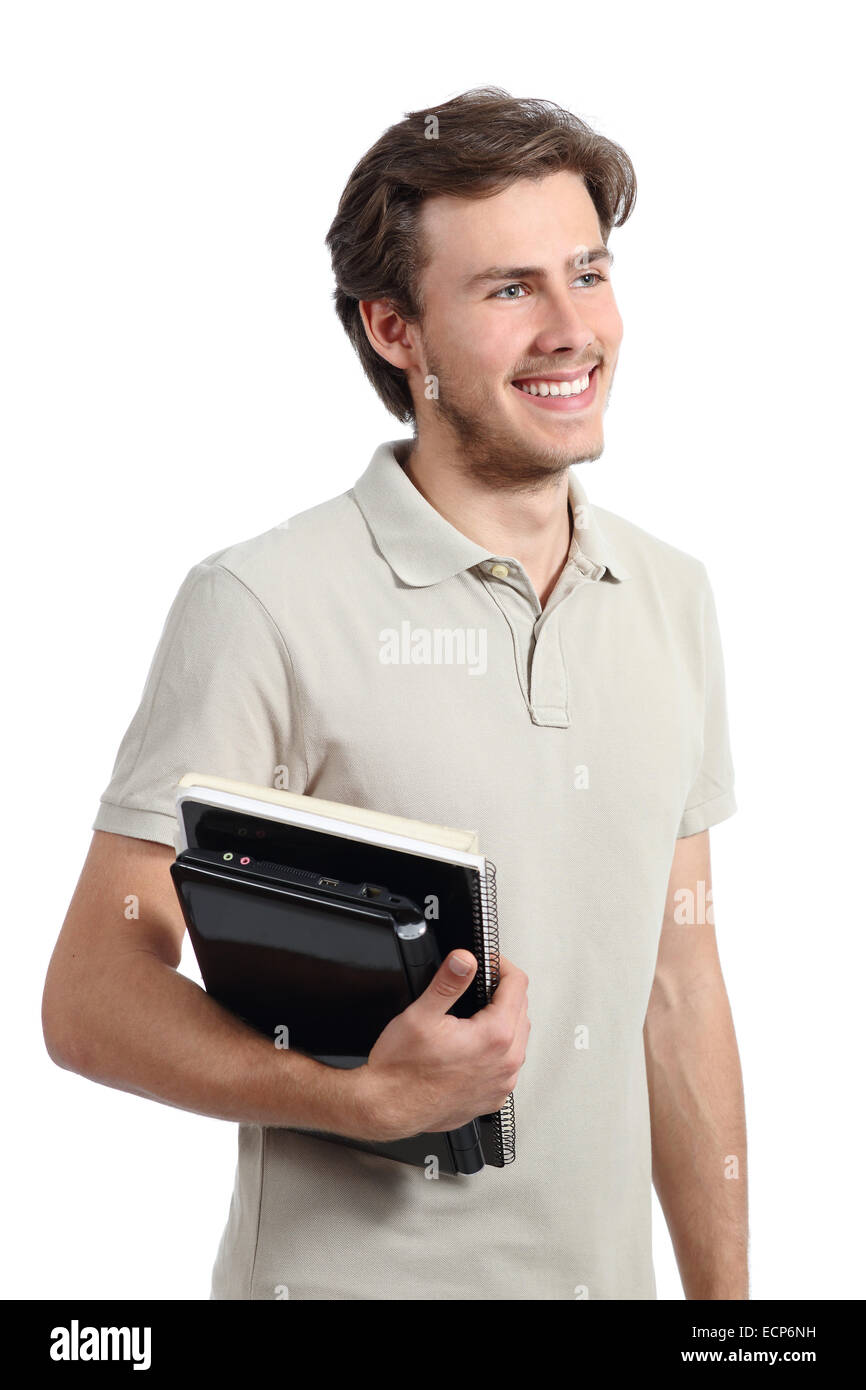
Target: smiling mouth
[
  {"x": 552, "y": 386},
  {"x": 561, "y": 395}
]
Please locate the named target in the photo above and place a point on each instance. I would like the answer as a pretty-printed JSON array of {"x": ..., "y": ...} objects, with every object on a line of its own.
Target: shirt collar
[{"x": 423, "y": 548}]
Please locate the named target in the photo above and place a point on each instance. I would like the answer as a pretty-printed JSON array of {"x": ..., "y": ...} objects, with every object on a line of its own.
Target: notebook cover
[{"x": 444, "y": 835}]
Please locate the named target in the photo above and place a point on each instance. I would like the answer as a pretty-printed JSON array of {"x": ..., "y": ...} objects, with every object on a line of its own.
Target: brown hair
[{"x": 484, "y": 141}]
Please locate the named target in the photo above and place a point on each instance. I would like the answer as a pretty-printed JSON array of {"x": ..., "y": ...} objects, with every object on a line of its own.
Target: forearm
[
  {"x": 144, "y": 1028},
  {"x": 699, "y": 1140}
]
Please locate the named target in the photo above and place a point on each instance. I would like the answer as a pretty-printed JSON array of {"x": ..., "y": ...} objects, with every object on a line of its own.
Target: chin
[{"x": 564, "y": 433}]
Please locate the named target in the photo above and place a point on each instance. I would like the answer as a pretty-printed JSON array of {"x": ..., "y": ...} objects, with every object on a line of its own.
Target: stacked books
[{"x": 319, "y": 922}]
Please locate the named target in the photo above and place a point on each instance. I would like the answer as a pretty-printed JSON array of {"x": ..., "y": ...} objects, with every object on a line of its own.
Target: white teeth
[{"x": 555, "y": 388}]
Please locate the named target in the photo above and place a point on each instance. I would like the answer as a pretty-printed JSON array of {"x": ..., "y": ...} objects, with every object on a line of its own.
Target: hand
[{"x": 429, "y": 1071}]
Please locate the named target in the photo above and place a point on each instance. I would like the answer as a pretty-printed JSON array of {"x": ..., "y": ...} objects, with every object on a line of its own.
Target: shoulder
[
  {"x": 644, "y": 553},
  {"x": 296, "y": 549},
  {"x": 654, "y": 564}
]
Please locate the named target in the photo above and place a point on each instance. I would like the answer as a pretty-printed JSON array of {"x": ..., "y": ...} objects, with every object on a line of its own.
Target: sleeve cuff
[
  {"x": 140, "y": 824},
  {"x": 708, "y": 813}
]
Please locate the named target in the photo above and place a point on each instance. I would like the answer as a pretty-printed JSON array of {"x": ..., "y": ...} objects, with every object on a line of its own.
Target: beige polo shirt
[{"x": 388, "y": 661}]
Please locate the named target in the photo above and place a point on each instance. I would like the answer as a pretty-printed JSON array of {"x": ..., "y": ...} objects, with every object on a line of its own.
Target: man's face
[{"x": 510, "y": 294}]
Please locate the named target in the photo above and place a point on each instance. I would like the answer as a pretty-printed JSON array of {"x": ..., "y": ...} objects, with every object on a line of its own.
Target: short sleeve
[
  {"x": 217, "y": 699},
  {"x": 711, "y": 798}
]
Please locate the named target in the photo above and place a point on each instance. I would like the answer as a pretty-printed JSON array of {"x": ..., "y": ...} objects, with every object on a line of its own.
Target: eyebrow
[{"x": 523, "y": 272}]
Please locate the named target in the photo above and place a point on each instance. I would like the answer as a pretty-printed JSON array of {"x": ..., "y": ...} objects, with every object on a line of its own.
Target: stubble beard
[{"x": 496, "y": 455}]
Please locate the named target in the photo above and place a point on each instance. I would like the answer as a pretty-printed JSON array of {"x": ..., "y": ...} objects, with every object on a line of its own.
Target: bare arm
[
  {"x": 115, "y": 1009},
  {"x": 696, "y": 1090}
]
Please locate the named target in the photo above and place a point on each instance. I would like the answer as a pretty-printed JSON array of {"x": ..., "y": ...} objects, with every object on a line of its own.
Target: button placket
[
  {"x": 535, "y": 632},
  {"x": 548, "y": 678},
  {"x": 518, "y": 603},
  {"x": 548, "y": 684}
]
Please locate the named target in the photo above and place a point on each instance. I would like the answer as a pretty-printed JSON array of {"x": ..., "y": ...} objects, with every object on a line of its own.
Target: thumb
[{"x": 448, "y": 983}]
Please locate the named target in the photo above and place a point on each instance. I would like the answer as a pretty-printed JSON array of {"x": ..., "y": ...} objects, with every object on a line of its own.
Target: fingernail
[{"x": 459, "y": 966}]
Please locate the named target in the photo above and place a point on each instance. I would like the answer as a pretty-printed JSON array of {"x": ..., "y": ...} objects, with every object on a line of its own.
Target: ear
[{"x": 389, "y": 334}]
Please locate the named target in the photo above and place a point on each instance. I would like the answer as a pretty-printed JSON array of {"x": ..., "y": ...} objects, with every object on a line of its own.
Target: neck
[{"x": 532, "y": 524}]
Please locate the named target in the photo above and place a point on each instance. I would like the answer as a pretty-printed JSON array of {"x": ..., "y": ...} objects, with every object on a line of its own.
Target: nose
[{"x": 564, "y": 326}]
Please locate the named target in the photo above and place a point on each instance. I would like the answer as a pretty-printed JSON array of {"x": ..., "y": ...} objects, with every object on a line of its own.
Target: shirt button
[{"x": 501, "y": 571}]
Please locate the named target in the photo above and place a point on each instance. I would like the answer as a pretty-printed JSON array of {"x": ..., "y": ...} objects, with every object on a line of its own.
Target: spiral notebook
[{"x": 439, "y": 868}]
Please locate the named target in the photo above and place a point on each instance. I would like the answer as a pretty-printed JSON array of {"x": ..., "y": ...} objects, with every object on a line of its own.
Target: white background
[{"x": 175, "y": 379}]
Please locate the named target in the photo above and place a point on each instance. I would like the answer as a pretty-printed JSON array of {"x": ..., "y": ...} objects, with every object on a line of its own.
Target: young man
[{"x": 460, "y": 638}]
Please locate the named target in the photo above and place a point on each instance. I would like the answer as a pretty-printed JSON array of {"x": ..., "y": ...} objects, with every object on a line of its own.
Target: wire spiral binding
[
  {"x": 484, "y": 915},
  {"x": 505, "y": 1132}
]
